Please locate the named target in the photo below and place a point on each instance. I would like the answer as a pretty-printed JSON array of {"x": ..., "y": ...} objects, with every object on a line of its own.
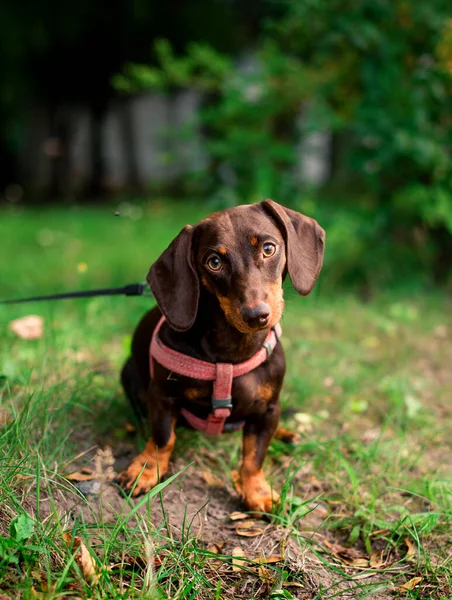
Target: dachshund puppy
[{"x": 215, "y": 332}]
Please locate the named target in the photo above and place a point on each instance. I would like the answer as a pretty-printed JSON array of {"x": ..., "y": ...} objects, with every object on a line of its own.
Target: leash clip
[{"x": 146, "y": 289}]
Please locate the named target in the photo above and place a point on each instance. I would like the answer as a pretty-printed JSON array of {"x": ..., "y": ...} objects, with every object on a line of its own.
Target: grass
[{"x": 366, "y": 493}]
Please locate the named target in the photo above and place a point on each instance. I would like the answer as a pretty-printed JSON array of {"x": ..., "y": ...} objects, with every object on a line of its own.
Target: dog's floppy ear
[
  {"x": 305, "y": 245},
  {"x": 174, "y": 282}
]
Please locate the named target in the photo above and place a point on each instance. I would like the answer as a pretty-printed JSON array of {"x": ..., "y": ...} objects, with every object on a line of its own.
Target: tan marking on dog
[
  {"x": 265, "y": 392},
  {"x": 276, "y": 302},
  {"x": 232, "y": 314},
  {"x": 206, "y": 283},
  {"x": 256, "y": 491},
  {"x": 155, "y": 462},
  {"x": 222, "y": 250},
  {"x": 193, "y": 393},
  {"x": 286, "y": 435},
  {"x": 254, "y": 241}
]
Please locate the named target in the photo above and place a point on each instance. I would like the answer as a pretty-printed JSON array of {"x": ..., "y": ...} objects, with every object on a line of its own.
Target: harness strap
[{"x": 222, "y": 374}]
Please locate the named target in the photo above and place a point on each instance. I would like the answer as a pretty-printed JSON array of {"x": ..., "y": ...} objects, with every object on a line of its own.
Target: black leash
[{"x": 133, "y": 289}]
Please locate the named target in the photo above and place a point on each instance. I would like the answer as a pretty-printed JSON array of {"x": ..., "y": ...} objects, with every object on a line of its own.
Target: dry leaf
[
  {"x": 129, "y": 427},
  {"x": 412, "y": 550},
  {"x": 249, "y": 531},
  {"x": 212, "y": 479},
  {"x": 265, "y": 575},
  {"x": 360, "y": 563},
  {"x": 245, "y": 524},
  {"x": 377, "y": 560},
  {"x": 237, "y": 562},
  {"x": 293, "y": 584},
  {"x": 268, "y": 560},
  {"x": 28, "y": 328},
  {"x": 236, "y": 516},
  {"x": 410, "y": 585},
  {"x": 158, "y": 560},
  {"x": 216, "y": 548},
  {"x": 85, "y": 474},
  {"x": 347, "y": 556},
  {"x": 83, "y": 558}
]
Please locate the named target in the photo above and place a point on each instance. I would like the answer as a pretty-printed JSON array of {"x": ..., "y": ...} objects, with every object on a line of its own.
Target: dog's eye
[
  {"x": 268, "y": 249},
  {"x": 214, "y": 263}
]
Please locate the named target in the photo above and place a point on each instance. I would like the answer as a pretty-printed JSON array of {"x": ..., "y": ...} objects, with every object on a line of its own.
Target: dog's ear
[
  {"x": 174, "y": 281},
  {"x": 305, "y": 245}
]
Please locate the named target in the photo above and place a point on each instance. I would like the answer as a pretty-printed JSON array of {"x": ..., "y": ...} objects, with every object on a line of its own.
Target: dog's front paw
[
  {"x": 257, "y": 494},
  {"x": 147, "y": 478}
]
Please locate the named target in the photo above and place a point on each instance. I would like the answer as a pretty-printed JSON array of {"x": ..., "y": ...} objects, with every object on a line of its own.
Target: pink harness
[{"x": 222, "y": 375}]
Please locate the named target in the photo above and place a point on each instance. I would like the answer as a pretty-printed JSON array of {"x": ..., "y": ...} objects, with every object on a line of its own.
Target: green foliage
[
  {"x": 16, "y": 549},
  {"x": 248, "y": 116},
  {"x": 388, "y": 92}
]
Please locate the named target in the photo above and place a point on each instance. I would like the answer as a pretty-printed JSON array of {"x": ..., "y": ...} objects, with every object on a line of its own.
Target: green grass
[{"x": 370, "y": 478}]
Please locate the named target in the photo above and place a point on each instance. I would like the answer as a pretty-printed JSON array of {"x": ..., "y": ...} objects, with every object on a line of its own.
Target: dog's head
[{"x": 240, "y": 255}]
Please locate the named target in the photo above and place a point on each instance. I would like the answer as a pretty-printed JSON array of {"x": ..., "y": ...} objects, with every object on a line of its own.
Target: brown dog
[{"x": 219, "y": 286}]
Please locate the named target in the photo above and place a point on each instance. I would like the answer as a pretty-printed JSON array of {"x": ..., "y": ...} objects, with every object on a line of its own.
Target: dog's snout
[{"x": 256, "y": 316}]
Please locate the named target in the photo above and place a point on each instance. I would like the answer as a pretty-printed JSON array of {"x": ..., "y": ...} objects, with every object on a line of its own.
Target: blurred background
[{"x": 164, "y": 112}]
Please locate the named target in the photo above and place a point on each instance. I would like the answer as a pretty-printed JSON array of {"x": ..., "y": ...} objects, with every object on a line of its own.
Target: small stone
[{"x": 88, "y": 488}]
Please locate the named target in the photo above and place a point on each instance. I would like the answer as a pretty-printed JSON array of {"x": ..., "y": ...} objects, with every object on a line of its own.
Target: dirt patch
[{"x": 190, "y": 508}]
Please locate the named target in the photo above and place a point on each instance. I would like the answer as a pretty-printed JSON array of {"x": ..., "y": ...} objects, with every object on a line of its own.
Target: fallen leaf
[
  {"x": 158, "y": 560},
  {"x": 410, "y": 585},
  {"x": 412, "y": 550},
  {"x": 268, "y": 560},
  {"x": 249, "y": 531},
  {"x": 360, "y": 563},
  {"x": 293, "y": 584},
  {"x": 238, "y": 555},
  {"x": 216, "y": 548},
  {"x": 377, "y": 560},
  {"x": 83, "y": 558},
  {"x": 265, "y": 575},
  {"x": 85, "y": 474},
  {"x": 245, "y": 524},
  {"x": 129, "y": 427},
  {"x": 212, "y": 479},
  {"x": 236, "y": 516},
  {"x": 28, "y": 328},
  {"x": 346, "y": 556}
]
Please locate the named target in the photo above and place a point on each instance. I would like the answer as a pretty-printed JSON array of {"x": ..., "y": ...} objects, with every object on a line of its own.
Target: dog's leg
[
  {"x": 256, "y": 491},
  {"x": 153, "y": 462}
]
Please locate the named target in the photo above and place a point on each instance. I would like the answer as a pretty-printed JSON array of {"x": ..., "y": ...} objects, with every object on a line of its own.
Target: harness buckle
[
  {"x": 268, "y": 348},
  {"x": 221, "y": 403}
]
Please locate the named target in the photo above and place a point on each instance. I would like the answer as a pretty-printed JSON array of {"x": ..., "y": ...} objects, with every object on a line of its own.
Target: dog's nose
[{"x": 256, "y": 316}]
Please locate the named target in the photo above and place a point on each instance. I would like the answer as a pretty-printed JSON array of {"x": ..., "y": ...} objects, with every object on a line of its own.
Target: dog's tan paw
[
  {"x": 257, "y": 494},
  {"x": 144, "y": 482}
]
